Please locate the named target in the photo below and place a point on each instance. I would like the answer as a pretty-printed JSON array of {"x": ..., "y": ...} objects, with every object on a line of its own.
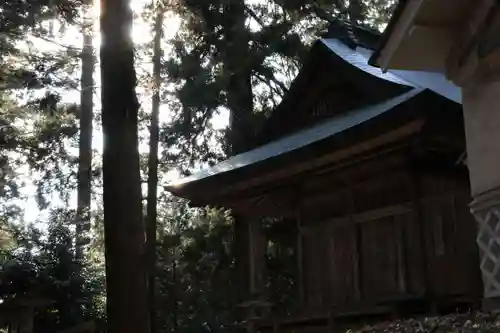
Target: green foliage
[
  {"x": 195, "y": 270},
  {"x": 37, "y": 130},
  {"x": 17, "y": 17},
  {"x": 276, "y": 35},
  {"x": 195, "y": 276},
  {"x": 44, "y": 266},
  {"x": 36, "y": 127},
  {"x": 200, "y": 66}
]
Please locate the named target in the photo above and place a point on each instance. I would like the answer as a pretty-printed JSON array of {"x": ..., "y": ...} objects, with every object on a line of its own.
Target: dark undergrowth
[{"x": 474, "y": 322}]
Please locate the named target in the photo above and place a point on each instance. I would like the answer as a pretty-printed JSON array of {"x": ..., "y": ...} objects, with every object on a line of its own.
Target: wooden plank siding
[
  {"x": 379, "y": 236},
  {"x": 361, "y": 237}
]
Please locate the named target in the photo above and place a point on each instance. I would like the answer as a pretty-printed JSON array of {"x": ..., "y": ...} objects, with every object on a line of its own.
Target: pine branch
[
  {"x": 46, "y": 39},
  {"x": 251, "y": 13}
]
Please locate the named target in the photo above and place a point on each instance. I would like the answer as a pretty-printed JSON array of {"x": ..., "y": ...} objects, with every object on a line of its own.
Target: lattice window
[
  {"x": 323, "y": 107},
  {"x": 334, "y": 100},
  {"x": 488, "y": 240}
]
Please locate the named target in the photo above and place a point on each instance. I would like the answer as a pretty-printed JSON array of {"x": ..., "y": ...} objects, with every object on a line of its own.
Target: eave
[
  {"x": 356, "y": 132},
  {"x": 421, "y": 34}
]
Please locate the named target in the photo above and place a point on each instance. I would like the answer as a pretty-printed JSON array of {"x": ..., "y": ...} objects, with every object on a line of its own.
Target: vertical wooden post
[
  {"x": 402, "y": 258},
  {"x": 25, "y": 324},
  {"x": 331, "y": 322},
  {"x": 482, "y": 123},
  {"x": 358, "y": 260},
  {"x": 358, "y": 251},
  {"x": 241, "y": 247},
  {"x": 257, "y": 252},
  {"x": 276, "y": 326},
  {"x": 414, "y": 181},
  {"x": 300, "y": 254},
  {"x": 250, "y": 249}
]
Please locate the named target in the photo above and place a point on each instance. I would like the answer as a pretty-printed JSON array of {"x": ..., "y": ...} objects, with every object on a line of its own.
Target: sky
[{"x": 141, "y": 33}]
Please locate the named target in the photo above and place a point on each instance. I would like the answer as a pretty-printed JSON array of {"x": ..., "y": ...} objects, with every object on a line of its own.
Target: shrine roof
[
  {"x": 433, "y": 80},
  {"x": 437, "y": 82},
  {"x": 352, "y": 46},
  {"x": 295, "y": 142}
]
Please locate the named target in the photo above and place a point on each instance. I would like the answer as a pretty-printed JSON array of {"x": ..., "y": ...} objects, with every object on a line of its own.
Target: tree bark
[
  {"x": 355, "y": 11},
  {"x": 123, "y": 225},
  {"x": 240, "y": 136},
  {"x": 153, "y": 168},
  {"x": 85, "y": 138},
  {"x": 175, "y": 311},
  {"x": 239, "y": 92}
]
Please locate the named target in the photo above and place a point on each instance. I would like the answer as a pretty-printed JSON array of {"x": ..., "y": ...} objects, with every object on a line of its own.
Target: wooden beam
[
  {"x": 380, "y": 213},
  {"x": 400, "y": 30},
  {"x": 379, "y": 161},
  {"x": 448, "y": 25},
  {"x": 228, "y": 197},
  {"x": 271, "y": 203},
  {"x": 370, "y": 215},
  {"x": 87, "y": 327},
  {"x": 336, "y": 156}
]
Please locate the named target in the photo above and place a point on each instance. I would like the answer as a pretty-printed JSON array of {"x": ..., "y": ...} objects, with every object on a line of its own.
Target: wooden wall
[{"x": 385, "y": 230}]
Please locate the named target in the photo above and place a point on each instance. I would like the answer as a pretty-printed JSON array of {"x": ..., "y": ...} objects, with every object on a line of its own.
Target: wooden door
[
  {"x": 343, "y": 265},
  {"x": 450, "y": 247},
  {"x": 382, "y": 259}
]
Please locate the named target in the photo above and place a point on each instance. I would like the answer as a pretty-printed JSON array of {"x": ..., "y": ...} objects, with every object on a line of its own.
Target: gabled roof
[
  {"x": 436, "y": 82},
  {"x": 433, "y": 80},
  {"x": 421, "y": 33},
  {"x": 296, "y": 141},
  {"x": 351, "y": 51},
  {"x": 333, "y": 60},
  {"x": 360, "y": 58}
]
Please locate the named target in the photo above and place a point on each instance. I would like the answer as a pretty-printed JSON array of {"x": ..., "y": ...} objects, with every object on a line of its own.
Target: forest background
[{"x": 188, "y": 55}]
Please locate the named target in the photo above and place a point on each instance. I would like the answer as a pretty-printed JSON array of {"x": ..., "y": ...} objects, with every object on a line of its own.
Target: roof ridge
[{"x": 352, "y": 35}]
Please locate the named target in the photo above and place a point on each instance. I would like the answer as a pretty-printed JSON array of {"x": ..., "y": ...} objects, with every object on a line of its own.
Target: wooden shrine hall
[{"x": 369, "y": 169}]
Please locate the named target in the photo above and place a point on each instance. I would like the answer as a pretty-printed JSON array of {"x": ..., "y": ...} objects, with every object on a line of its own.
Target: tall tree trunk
[
  {"x": 241, "y": 135},
  {"x": 85, "y": 139},
  {"x": 123, "y": 224},
  {"x": 175, "y": 303},
  {"x": 239, "y": 92},
  {"x": 355, "y": 11},
  {"x": 240, "y": 103},
  {"x": 153, "y": 167}
]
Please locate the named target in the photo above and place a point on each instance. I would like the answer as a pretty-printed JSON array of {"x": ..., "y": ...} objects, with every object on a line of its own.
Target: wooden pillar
[
  {"x": 241, "y": 246},
  {"x": 481, "y": 104},
  {"x": 300, "y": 255},
  {"x": 358, "y": 251},
  {"x": 257, "y": 253},
  {"x": 250, "y": 246},
  {"x": 250, "y": 255},
  {"x": 474, "y": 65},
  {"x": 415, "y": 184},
  {"x": 26, "y": 317}
]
